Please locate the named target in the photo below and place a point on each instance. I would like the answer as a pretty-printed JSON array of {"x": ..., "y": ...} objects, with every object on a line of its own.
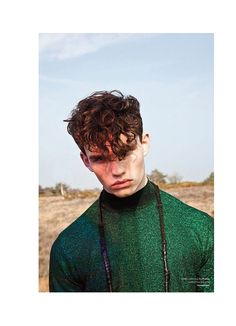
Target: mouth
[{"x": 121, "y": 184}]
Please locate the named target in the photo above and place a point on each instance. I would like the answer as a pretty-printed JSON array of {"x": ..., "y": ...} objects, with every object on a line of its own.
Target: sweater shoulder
[
  {"x": 177, "y": 208},
  {"x": 80, "y": 231}
]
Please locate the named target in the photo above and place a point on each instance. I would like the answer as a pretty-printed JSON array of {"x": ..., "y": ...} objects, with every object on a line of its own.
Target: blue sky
[{"x": 170, "y": 74}]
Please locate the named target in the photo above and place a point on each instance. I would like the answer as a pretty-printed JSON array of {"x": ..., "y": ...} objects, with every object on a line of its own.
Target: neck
[{"x": 141, "y": 197}]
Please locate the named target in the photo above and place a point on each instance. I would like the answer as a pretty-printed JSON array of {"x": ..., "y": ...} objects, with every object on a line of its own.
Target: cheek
[
  {"x": 103, "y": 178},
  {"x": 100, "y": 171},
  {"x": 136, "y": 160},
  {"x": 133, "y": 158}
]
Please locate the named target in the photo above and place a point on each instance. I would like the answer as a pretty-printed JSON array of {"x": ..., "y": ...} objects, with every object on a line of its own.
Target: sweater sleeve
[
  {"x": 206, "y": 272},
  {"x": 62, "y": 276}
]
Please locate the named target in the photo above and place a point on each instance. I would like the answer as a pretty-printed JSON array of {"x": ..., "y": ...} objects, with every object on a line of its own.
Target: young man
[{"x": 134, "y": 238}]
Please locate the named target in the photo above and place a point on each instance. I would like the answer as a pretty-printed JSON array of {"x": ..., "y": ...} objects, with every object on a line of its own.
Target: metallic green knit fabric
[{"x": 132, "y": 231}]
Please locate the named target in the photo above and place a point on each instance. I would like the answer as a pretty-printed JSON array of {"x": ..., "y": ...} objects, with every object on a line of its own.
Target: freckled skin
[{"x": 109, "y": 171}]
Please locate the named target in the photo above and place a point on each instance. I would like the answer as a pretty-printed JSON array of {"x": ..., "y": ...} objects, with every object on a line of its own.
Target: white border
[{"x": 20, "y": 24}]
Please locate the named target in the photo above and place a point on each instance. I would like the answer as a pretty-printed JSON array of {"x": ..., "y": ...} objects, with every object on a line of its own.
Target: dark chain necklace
[{"x": 103, "y": 245}]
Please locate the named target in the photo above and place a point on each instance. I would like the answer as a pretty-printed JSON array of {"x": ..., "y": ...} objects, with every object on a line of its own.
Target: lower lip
[{"x": 121, "y": 185}]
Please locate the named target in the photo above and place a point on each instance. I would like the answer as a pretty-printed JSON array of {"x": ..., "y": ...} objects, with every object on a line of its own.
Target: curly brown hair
[{"x": 101, "y": 118}]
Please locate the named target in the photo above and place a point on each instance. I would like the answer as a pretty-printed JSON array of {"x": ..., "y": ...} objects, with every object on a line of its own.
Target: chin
[{"x": 121, "y": 193}]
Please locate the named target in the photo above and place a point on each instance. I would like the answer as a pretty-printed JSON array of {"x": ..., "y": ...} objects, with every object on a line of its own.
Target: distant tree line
[
  {"x": 160, "y": 178},
  {"x": 62, "y": 189},
  {"x": 57, "y": 190},
  {"x": 210, "y": 179}
]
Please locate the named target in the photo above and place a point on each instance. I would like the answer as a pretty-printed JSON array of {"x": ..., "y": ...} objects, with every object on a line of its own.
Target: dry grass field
[{"x": 55, "y": 213}]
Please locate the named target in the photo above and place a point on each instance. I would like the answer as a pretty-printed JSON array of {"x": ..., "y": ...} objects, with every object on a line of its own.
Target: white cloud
[
  {"x": 65, "y": 46},
  {"x": 57, "y": 80},
  {"x": 69, "y": 45}
]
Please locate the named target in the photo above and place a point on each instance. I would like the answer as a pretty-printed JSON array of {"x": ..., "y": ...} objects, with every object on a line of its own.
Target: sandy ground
[{"x": 56, "y": 213}]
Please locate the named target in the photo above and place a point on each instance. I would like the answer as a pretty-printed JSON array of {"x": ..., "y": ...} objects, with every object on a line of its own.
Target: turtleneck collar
[{"x": 140, "y": 198}]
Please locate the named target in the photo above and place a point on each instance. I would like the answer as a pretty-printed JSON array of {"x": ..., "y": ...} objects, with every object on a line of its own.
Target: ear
[
  {"x": 85, "y": 159},
  {"x": 145, "y": 143}
]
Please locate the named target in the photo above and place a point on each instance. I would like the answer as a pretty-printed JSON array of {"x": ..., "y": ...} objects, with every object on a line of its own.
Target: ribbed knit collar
[{"x": 140, "y": 198}]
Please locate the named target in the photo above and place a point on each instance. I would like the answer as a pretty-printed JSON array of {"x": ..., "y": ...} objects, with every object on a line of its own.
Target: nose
[{"x": 117, "y": 168}]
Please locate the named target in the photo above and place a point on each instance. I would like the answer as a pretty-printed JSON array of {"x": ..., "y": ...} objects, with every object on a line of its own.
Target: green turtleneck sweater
[{"x": 133, "y": 238}]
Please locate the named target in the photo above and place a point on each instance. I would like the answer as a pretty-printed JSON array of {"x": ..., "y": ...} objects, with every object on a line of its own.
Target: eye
[{"x": 97, "y": 159}]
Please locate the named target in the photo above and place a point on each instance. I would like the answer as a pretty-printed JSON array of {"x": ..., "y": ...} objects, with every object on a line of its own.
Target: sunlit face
[{"x": 121, "y": 178}]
